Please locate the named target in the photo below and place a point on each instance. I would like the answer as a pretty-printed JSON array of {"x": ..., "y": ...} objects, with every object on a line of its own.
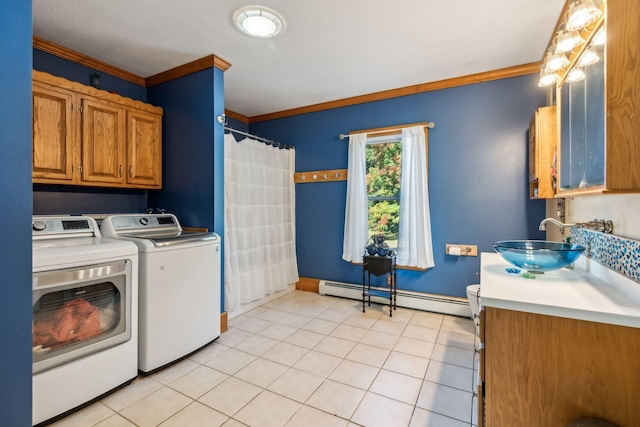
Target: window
[
  {"x": 383, "y": 169},
  {"x": 381, "y": 199}
]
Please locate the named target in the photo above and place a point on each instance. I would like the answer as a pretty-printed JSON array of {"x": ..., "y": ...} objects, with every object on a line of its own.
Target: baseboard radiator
[{"x": 416, "y": 300}]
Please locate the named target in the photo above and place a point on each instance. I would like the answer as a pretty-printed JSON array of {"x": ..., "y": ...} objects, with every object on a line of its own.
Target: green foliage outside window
[{"x": 383, "y": 188}]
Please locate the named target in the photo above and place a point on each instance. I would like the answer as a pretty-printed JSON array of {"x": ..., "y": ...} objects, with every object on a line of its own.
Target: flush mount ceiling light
[{"x": 258, "y": 21}]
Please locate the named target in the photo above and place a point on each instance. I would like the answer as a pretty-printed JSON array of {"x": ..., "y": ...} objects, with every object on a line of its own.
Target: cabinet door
[
  {"x": 103, "y": 142},
  {"x": 144, "y": 149},
  {"x": 55, "y": 155}
]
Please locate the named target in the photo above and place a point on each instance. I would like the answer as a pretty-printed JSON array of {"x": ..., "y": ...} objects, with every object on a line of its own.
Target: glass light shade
[
  {"x": 601, "y": 38},
  {"x": 568, "y": 40},
  {"x": 258, "y": 21},
  {"x": 555, "y": 61},
  {"x": 575, "y": 75},
  {"x": 581, "y": 14},
  {"x": 589, "y": 57},
  {"x": 547, "y": 78}
]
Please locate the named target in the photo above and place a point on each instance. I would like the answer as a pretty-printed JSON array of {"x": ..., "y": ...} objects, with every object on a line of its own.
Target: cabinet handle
[
  {"x": 120, "y": 171},
  {"x": 79, "y": 108},
  {"x": 130, "y": 171},
  {"x": 73, "y": 107},
  {"x": 80, "y": 169}
]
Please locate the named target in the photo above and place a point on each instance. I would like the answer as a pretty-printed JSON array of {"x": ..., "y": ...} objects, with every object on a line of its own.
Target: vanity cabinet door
[{"x": 546, "y": 371}]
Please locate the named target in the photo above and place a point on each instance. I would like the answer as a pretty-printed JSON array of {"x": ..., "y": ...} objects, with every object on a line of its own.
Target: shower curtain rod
[
  {"x": 222, "y": 120},
  {"x": 430, "y": 125}
]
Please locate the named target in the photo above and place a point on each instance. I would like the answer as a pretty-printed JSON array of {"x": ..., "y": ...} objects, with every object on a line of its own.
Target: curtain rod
[
  {"x": 430, "y": 125},
  {"x": 223, "y": 121}
]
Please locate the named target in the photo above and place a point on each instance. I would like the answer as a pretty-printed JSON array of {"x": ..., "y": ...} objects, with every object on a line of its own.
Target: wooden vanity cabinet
[
  {"x": 542, "y": 146},
  {"x": 87, "y": 136},
  {"x": 541, "y": 370}
]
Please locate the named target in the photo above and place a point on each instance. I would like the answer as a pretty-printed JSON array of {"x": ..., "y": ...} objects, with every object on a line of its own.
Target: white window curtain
[
  {"x": 414, "y": 238},
  {"x": 259, "y": 221},
  {"x": 356, "y": 212}
]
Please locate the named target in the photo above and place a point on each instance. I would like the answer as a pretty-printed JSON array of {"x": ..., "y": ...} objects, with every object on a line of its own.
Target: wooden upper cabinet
[
  {"x": 54, "y": 134},
  {"x": 87, "y": 136},
  {"x": 542, "y": 150},
  {"x": 144, "y": 153},
  {"x": 104, "y": 144}
]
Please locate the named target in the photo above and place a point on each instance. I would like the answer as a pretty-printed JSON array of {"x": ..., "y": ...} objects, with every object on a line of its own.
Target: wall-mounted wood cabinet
[
  {"x": 599, "y": 126},
  {"x": 87, "y": 136},
  {"x": 542, "y": 147}
]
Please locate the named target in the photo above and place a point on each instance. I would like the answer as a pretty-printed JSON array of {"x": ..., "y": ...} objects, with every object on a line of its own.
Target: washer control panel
[
  {"x": 70, "y": 226},
  {"x": 122, "y": 223}
]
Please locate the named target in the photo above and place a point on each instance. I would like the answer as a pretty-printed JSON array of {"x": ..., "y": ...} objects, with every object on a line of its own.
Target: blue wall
[
  {"x": 43, "y": 61},
  {"x": 187, "y": 147},
  {"x": 193, "y": 150},
  {"x": 15, "y": 228},
  {"x": 477, "y": 176},
  {"x": 58, "y": 199}
]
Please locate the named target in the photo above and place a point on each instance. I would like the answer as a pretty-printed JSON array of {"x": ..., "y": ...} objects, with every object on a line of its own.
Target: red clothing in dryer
[{"x": 77, "y": 320}]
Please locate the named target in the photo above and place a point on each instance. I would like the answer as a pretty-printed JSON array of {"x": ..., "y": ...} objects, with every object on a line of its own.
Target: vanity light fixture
[
  {"x": 547, "y": 78},
  {"x": 555, "y": 61},
  {"x": 581, "y": 14},
  {"x": 575, "y": 75},
  {"x": 258, "y": 21},
  {"x": 589, "y": 57},
  {"x": 567, "y": 40}
]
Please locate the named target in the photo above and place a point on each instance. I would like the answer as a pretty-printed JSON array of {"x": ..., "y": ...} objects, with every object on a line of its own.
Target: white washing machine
[
  {"x": 179, "y": 309},
  {"x": 85, "y": 323}
]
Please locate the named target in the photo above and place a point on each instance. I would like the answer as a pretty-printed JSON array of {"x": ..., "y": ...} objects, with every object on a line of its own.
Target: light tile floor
[{"x": 309, "y": 360}]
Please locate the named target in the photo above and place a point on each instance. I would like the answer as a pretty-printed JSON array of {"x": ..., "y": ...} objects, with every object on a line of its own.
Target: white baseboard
[{"x": 444, "y": 304}]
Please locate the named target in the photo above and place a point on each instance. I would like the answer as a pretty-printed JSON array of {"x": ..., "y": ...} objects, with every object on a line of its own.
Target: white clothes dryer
[
  {"x": 179, "y": 309},
  {"x": 85, "y": 322}
]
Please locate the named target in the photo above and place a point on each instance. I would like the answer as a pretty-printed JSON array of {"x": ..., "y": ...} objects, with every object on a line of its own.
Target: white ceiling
[{"x": 329, "y": 50}]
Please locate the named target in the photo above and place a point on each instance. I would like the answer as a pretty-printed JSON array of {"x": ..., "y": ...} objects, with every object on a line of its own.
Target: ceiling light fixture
[{"x": 258, "y": 21}]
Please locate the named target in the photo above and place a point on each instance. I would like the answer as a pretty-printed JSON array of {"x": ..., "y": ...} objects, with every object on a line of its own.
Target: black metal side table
[{"x": 379, "y": 266}]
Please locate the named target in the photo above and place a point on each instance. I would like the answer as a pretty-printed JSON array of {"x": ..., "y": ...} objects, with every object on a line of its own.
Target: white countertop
[{"x": 572, "y": 293}]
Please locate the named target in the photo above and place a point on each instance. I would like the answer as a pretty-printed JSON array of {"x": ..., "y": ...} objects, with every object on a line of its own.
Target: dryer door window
[{"x": 79, "y": 311}]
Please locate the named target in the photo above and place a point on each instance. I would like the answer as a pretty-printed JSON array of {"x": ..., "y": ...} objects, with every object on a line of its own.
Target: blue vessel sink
[{"x": 538, "y": 255}]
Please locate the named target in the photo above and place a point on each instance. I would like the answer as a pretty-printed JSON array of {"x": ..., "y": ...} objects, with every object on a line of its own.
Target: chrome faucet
[
  {"x": 605, "y": 226},
  {"x": 543, "y": 224}
]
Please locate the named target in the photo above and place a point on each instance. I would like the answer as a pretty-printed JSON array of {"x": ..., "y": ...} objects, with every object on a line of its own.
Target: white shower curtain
[{"x": 259, "y": 221}]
